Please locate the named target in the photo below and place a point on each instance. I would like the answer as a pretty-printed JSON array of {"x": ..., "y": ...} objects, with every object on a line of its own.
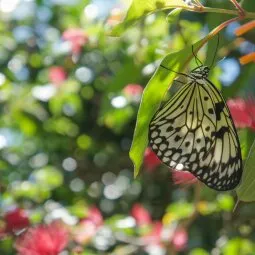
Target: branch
[{"x": 203, "y": 9}]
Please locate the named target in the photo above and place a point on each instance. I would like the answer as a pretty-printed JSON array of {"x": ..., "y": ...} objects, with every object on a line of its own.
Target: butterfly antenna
[
  {"x": 198, "y": 62},
  {"x": 174, "y": 71},
  {"x": 218, "y": 41}
]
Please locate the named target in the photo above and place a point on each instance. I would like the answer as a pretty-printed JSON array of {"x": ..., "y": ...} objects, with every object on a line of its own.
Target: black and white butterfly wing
[{"x": 194, "y": 131}]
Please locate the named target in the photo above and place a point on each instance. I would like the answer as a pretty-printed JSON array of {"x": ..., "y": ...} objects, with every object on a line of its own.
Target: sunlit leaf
[
  {"x": 180, "y": 210},
  {"x": 152, "y": 97},
  {"x": 238, "y": 246},
  {"x": 225, "y": 202},
  {"x": 246, "y": 191},
  {"x": 48, "y": 176},
  {"x": 198, "y": 251},
  {"x": 173, "y": 15},
  {"x": 141, "y": 8}
]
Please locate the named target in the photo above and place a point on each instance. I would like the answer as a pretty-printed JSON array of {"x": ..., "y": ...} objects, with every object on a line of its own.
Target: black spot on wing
[
  {"x": 220, "y": 133},
  {"x": 218, "y": 109}
]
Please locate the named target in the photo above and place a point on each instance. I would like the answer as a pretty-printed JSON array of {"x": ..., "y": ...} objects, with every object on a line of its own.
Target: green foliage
[
  {"x": 142, "y": 8},
  {"x": 246, "y": 191},
  {"x": 238, "y": 246},
  {"x": 68, "y": 112}
]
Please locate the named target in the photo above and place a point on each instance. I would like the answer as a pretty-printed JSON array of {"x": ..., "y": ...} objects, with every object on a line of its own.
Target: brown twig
[
  {"x": 241, "y": 11},
  {"x": 198, "y": 3}
]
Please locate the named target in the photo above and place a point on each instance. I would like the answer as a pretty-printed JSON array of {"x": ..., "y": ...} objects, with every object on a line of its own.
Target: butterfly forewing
[{"x": 194, "y": 131}]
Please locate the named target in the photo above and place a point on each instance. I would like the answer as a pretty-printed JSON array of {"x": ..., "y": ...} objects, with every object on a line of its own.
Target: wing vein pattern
[{"x": 194, "y": 132}]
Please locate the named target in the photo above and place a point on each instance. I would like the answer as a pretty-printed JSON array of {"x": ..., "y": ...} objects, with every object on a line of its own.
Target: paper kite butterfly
[{"x": 194, "y": 132}]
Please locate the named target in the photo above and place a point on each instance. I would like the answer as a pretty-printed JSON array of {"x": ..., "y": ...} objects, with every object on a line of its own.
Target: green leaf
[
  {"x": 238, "y": 246},
  {"x": 181, "y": 209},
  {"x": 225, "y": 202},
  {"x": 48, "y": 176},
  {"x": 142, "y": 8},
  {"x": 152, "y": 97},
  {"x": 173, "y": 15},
  {"x": 246, "y": 191},
  {"x": 198, "y": 251}
]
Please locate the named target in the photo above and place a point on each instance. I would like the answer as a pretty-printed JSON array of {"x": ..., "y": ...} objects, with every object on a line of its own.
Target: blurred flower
[
  {"x": 78, "y": 250},
  {"x": 180, "y": 239},
  {"x": 250, "y": 57},
  {"x": 141, "y": 215},
  {"x": 16, "y": 219},
  {"x": 57, "y": 75},
  {"x": 115, "y": 17},
  {"x": 247, "y": 58},
  {"x": 84, "y": 232},
  {"x": 183, "y": 177},
  {"x": 133, "y": 92},
  {"x": 245, "y": 28},
  {"x": 43, "y": 240},
  {"x": 243, "y": 112},
  {"x": 77, "y": 37},
  {"x": 154, "y": 236},
  {"x": 88, "y": 226},
  {"x": 95, "y": 216},
  {"x": 151, "y": 161},
  {"x": 44, "y": 93},
  {"x": 2, "y": 233}
]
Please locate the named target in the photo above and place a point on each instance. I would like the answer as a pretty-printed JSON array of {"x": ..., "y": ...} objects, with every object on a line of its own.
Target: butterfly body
[{"x": 194, "y": 131}]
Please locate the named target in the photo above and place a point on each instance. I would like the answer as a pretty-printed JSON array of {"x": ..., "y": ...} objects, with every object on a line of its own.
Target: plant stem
[
  {"x": 238, "y": 7},
  {"x": 247, "y": 15},
  {"x": 215, "y": 31}
]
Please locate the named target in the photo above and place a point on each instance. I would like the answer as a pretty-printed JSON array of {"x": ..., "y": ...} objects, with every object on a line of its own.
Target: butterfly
[{"x": 194, "y": 132}]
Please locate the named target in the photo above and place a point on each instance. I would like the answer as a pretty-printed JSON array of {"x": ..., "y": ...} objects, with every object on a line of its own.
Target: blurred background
[{"x": 69, "y": 95}]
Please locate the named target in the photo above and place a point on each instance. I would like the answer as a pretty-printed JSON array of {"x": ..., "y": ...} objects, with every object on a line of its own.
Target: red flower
[
  {"x": 141, "y": 215},
  {"x": 151, "y": 161},
  {"x": 180, "y": 239},
  {"x": 57, "y": 75},
  {"x": 16, "y": 219},
  {"x": 242, "y": 112},
  {"x": 77, "y": 37},
  {"x": 43, "y": 240},
  {"x": 183, "y": 177}
]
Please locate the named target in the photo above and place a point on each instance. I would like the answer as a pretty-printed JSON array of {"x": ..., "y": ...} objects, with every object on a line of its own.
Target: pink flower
[
  {"x": 16, "y": 219},
  {"x": 3, "y": 233},
  {"x": 151, "y": 161},
  {"x": 141, "y": 215},
  {"x": 154, "y": 236},
  {"x": 180, "y": 239},
  {"x": 84, "y": 232},
  {"x": 95, "y": 216},
  {"x": 183, "y": 177},
  {"x": 43, "y": 240},
  {"x": 133, "y": 90},
  {"x": 77, "y": 37},
  {"x": 57, "y": 75},
  {"x": 88, "y": 226},
  {"x": 240, "y": 113}
]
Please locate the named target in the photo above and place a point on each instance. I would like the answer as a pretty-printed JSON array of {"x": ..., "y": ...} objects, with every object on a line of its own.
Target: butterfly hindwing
[{"x": 194, "y": 131}]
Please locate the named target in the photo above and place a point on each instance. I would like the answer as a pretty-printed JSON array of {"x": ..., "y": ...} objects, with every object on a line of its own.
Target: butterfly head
[{"x": 200, "y": 72}]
